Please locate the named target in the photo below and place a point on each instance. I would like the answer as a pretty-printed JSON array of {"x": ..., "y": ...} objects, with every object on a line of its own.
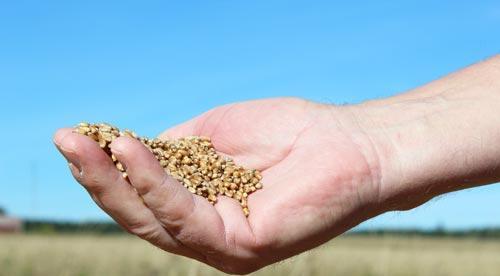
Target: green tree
[{"x": 2, "y": 211}]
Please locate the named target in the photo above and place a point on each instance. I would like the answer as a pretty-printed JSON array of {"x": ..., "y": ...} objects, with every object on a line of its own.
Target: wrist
[
  {"x": 392, "y": 130},
  {"x": 368, "y": 152},
  {"x": 439, "y": 138}
]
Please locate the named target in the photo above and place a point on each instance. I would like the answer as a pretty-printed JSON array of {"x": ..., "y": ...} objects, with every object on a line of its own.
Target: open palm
[{"x": 320, "y": 178}]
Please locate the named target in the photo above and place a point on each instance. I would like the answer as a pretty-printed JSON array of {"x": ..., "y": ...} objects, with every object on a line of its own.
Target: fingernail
[
  {"x": 74, "y": 169},
  {"x": 115, "y": 149},
  {"x": 59, "y": 137}
]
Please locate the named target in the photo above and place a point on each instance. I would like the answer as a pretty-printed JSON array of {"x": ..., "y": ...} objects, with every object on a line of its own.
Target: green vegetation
[
  {"x": 2, "y": 211},
  {"x": 50, "y": 227},
  {"x": 109, "y": 227},
  {"x": 482, "y": 233}
]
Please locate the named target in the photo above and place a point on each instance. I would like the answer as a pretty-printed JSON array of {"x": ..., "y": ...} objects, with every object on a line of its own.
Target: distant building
[{"x": 10, "y": 225}]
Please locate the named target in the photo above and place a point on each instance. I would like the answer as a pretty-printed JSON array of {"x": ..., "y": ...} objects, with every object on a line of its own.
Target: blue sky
[{"x": 148, "y": 65}]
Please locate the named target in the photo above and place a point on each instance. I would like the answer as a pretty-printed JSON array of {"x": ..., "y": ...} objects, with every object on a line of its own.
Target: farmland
[{"x": 23, "y": 254}]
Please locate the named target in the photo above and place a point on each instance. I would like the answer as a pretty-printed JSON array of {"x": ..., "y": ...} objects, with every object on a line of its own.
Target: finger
[
  {"x": 96, "y": 172},
  {"x": 229, "y": 141},
  {"x": 239, "y": 234},
  {"x": 189, "y": 218}
]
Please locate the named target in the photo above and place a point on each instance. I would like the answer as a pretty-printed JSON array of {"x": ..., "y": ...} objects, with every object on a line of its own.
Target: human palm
[{"x": 320, "y": 179}]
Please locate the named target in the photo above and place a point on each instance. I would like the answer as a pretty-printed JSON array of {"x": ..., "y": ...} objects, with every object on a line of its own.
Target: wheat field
[{"x": 349, "y": 255}]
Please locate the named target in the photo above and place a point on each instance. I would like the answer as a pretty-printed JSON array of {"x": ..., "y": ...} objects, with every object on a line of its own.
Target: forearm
[{"x": 439, "y": 138}]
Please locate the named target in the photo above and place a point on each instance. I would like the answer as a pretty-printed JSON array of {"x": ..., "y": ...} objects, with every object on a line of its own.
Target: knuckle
[
  {"x": 92, "y": 182},
  {"x": 97, "y": 182},
  {"x": 78, "y": 176},
  {"x": 259, "y": 245},
  {"x": 91, "y": 179},
  {"x": 175, "y": 218},
  {"x": 180, "y": 234},
  {"x": 177, "y": 207},
  {"x": 144, "y": 231},
  {"x": 142, "y": 182}
]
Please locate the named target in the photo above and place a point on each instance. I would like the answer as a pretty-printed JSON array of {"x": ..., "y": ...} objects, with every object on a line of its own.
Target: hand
[
  {"x": 325, "y": 168},
  {"x": 320, "y": 177}
]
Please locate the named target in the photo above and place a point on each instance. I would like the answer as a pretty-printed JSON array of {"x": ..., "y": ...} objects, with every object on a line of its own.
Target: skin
[{"x": 325, "y": 168}]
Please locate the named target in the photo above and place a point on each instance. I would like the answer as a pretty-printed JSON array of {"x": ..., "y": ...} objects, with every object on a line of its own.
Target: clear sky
[{"x": 147, "y": 65}]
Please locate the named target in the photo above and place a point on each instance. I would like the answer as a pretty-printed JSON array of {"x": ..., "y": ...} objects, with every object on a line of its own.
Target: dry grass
[{"x": 125, "y": 255}]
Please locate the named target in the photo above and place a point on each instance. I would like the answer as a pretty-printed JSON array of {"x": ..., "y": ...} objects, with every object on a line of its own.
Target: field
[{"x": 350, "y": 255}]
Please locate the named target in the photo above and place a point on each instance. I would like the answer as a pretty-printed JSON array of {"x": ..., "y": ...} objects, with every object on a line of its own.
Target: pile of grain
[{"x": 191, "y": 160}]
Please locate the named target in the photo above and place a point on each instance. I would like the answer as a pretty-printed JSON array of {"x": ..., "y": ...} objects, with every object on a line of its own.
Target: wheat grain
[{"x": 191, "y": 160}]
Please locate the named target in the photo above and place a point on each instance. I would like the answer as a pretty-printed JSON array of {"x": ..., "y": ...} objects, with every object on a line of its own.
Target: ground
[{"x": 350, "y": 255}]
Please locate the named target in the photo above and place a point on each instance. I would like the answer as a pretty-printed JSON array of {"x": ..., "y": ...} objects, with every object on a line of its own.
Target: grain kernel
[{"x": 191, "y": 160}]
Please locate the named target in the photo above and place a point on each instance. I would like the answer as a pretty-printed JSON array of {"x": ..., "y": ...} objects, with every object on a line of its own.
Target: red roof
[{"x": 8, "y": 224}]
